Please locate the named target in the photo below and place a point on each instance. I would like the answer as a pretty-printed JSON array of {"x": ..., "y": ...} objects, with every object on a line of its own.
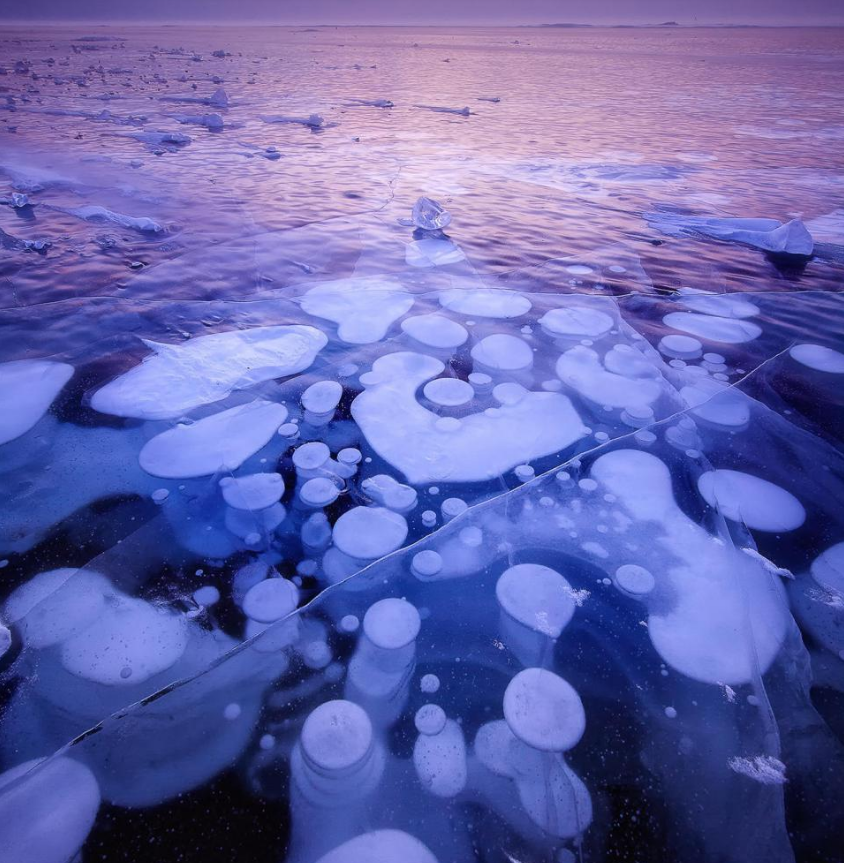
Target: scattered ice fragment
[
  {"x": 463, "y": 112},
  {"x": 759, "y": 504},
  {"x": 764, "y": 769},
  {"x": 27, "y": 389},
  {"x": 769, "y": 235},
  {"x": 219, "y": 442},
  {"x": 312, "y": 121},
  {"x": 430, "y": 215},
  {"x": 818, "y": 357}
]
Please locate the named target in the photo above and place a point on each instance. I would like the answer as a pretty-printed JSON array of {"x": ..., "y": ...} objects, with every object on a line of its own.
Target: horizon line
[{"x": 573, "y": 25}]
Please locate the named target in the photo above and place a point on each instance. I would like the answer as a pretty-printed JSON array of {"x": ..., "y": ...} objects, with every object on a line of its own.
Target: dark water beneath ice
[{"x": 712, "y": 700}]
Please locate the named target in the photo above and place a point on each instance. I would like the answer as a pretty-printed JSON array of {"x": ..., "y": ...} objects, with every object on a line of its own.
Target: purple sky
[{"x": 434, "y": 11}]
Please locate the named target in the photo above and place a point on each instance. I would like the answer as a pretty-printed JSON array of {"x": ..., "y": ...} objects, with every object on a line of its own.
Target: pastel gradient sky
[{"x": 433, "y": 11}]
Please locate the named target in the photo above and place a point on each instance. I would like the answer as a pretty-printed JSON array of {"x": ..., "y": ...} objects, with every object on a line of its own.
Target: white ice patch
[
  {"x": 47, "y": 811},
  {"x": 221, "y": 442},
  {"x": 362, "y": 308},
  {"x": 256, "y": 491},
  {"x": 178, "y": 378},
  {"x": 369, "y": 532},
  {"x": 580, "y": 368},
  {"x": 727, "y": 330},
  {"x": 544, "y": 711},
  {"x": 485, "y": 303},
  {"x": 727, "y": 616},
  {"x": 536, "y": 596},
  {"x": 576, "y": 322},
  {"x": 435, "y": 331},
  {"x": 721, "y": 305},
  {"x": 380, "y": 846},
  {"x": 477, "y": 447},
  {"x": 503, "y": 352},
  {"x": 27, "y": 389},
  {"x": 761, "y": 768},
  {"x": 819, "y": 358},
  {"x": 760, "y": 504}
]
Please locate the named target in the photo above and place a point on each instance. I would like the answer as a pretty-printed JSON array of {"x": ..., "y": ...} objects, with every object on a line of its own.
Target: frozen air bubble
[
  {"x": 426, "y": 563},
  {"x": 391, "y": 623},
  {"x": 319, "y": 491},
  {"x": 256, "y": 491},
  {"x": 367, "y": 533},
  {"x": 270, "y": 600},
  {"x": 680, "y": 347},
  {"x": 430, "y": 719},
  {"x": 322, "y": 397},
  {"x": 429, "y": 683},
  {"x": 634, "y": 580},
  {"x": 336, "y": 736}
]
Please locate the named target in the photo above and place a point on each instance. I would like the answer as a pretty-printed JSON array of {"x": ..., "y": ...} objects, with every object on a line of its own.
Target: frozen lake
[{"x": 421, "y": 445}]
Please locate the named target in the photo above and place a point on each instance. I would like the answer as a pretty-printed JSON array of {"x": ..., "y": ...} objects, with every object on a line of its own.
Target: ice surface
[
  {"x": 523, "y": 543},
  {"x": 92, "y": 213}
]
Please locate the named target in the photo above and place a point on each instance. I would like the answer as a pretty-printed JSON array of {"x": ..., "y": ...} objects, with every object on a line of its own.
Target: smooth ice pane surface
[{"x": 421, "y": 445}]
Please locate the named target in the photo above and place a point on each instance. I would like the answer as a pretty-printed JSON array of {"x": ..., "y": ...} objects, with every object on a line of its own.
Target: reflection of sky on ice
[{"x": 396, "y": 535}]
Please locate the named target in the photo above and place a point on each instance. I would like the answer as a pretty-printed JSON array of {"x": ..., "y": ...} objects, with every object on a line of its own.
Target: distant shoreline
[{"x": 670, "y": 26}]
